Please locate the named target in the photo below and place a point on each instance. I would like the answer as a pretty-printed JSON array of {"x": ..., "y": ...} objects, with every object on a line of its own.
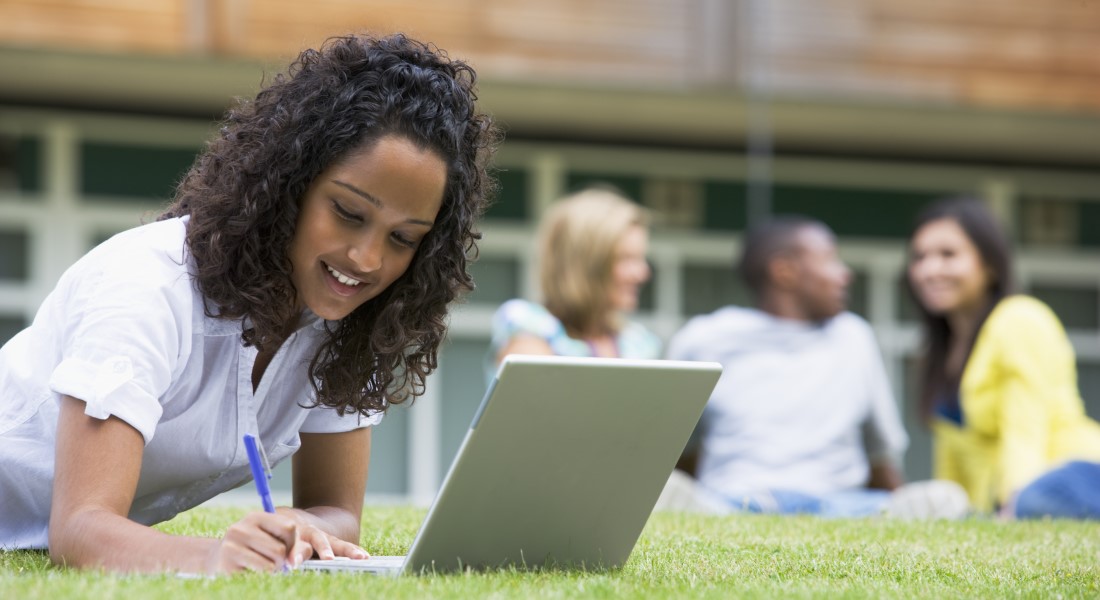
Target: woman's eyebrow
[
  {"x": 376, "y": 201},
  {"x": 365, "y": 195}
]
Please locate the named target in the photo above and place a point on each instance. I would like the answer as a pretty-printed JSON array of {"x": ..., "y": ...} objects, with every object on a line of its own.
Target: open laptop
[{"x": 561, "y": 467}]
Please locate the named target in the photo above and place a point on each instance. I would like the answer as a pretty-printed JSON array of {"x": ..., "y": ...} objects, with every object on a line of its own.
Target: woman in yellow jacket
[{"x": 1000, "y": 379}]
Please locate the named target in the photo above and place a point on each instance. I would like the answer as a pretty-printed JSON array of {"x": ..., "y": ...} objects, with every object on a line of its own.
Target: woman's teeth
[{"x": 344, "y": 279}]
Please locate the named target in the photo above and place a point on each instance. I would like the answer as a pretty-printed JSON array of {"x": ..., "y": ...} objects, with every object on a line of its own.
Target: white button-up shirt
[{"x": 126, "y": 332}]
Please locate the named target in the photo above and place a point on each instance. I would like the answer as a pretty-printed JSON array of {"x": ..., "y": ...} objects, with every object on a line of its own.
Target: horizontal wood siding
[
  {"x": 1031, "y": 54},
  {"x": 1011, "y": 53},
  {"x": 157, "y": 26},
  {"x": 611, "y": 40}
]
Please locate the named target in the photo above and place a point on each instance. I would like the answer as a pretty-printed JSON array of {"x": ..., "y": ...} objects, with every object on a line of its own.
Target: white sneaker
[{"x": 932, "y": 499}]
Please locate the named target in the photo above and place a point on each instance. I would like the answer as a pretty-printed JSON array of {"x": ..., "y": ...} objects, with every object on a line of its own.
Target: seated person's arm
[
  {"x": 329, "y": 480},
  {"x": 524, "y": 344},
  {"x": 97, "y": 466},
  {"x": 884, "y": 436},
  {"x": 885, "y": 475},
  {"x": 1025, "y": 361}
]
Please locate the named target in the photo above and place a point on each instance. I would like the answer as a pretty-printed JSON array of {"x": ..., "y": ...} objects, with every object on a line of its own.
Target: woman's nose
[{"x": 366, "y": 252}]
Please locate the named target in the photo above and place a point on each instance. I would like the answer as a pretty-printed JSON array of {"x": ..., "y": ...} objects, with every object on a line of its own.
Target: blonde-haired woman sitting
[{"x": 592, "y": 263}]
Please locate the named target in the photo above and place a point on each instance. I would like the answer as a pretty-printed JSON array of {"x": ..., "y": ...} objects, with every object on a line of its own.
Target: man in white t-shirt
[{"x": 803, "y": 419}]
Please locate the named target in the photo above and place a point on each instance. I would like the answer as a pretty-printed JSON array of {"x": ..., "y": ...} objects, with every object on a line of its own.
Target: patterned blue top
[{"x": 516, "y": 317}]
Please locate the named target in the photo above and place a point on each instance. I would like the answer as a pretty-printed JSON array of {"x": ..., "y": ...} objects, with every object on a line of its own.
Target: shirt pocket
[{"x": 283, "y": 450}]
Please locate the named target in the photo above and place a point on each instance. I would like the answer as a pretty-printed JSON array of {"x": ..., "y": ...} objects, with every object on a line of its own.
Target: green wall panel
[
  {"x": 140, "y": 172},
  {"x": 726, "y": 207},
  {"x": 510, "y": 202},
  {"x": 629, "y": 186},
  {"x": 854, "y": 212},
  {"x": 14, "y": 255}
]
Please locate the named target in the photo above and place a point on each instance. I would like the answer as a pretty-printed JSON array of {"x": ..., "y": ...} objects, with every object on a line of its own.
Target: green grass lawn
[{"x": 677, "y": 556}]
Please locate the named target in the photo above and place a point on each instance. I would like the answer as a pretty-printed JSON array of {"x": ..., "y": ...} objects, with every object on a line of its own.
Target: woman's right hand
[
  {"x": 1007, "y": 511},
  {"x": 258, "y": 542}
]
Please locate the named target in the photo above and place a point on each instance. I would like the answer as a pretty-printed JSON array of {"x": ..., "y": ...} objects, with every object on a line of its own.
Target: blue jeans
[
  {"x": 846, "y": 503},
  {"x": 1071, "y": 491}
]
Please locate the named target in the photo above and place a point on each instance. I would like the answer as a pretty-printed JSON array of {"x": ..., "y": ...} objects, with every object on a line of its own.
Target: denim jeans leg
[
  {"x": 782, "y": 502},
  {"x": 1071, "y": 491},
  {"x": 854, "y": 503}
]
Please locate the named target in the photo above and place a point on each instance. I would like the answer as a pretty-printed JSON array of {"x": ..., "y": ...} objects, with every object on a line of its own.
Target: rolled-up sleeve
[
  {"x": 322, "y": 419},
  {"x": 108, "y": 389},
  {"x": 122, "y": 337}
]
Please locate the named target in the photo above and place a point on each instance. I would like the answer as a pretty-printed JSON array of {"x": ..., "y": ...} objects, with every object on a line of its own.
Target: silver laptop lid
[{"x": 563, "y": 463}]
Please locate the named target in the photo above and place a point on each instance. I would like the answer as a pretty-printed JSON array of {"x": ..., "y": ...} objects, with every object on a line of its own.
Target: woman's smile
[{"x": 341, "y": 283}]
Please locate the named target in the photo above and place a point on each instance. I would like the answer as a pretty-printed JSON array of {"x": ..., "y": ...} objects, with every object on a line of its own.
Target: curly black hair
[{"x": 243, "y": 196}]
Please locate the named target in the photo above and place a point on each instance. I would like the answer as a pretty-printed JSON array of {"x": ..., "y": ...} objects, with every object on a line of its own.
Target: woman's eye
[
  {"x": 404, "y": 241},
  {"x": 343, "y": 213}
]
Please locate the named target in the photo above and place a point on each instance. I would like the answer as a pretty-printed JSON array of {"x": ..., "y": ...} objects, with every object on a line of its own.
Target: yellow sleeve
[{"x": 1022, "y": 361}]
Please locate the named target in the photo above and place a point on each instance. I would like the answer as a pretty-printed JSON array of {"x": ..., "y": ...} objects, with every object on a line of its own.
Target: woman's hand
[
  {"x": 1007, "y": 512},
  {"x": 326, "y": 546},
  {"x": 259, "y": 542},
  {"x": 316, "y": 542},
  {"x": 328, "y": 492},
  {"x": 274, "y": 542}
]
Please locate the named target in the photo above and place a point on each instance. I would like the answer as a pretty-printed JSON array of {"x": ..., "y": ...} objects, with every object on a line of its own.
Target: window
[
  {"x": 853, "y": 212},
  {"x": 20, "y": 164},
  {"x": 462, "y": 379},
  {"x": 496, "y": 278},
  {"x": 389, "y": 453},
  {"x": 14, "y": 255},
  {"x": 1077, "y": 307},
  {"x": 708, "y": 288},
  {"x": 510, "y": 202},
  {"x": 627, "y": 185},
  {"x": 907, "y": 309},
  {"x": 1089, "y": 224},
  {"x": 1053, "y": 221},
  {"x": 1088, "y": 380},
  {"x": 724, "y": 206},
  {"x": 857, "y": 294},
  {"x": 138, "y": 172},
  {"x": 9, "y": 326}
]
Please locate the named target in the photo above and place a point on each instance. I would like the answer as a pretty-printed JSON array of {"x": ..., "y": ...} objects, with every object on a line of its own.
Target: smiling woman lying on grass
[{"x": 296, "y": 287}]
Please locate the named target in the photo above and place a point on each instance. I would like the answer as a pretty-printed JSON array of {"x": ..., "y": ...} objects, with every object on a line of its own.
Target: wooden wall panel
[
  {"x": 158, "y": 26},
  {"x": 1007, "y": 53},
  {"x": 616, "y": 40},
  {"x": 1030, "y": 54}
]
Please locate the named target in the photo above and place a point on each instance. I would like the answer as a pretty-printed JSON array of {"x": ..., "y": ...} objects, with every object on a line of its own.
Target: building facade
[{"x": 712, "y": 113}]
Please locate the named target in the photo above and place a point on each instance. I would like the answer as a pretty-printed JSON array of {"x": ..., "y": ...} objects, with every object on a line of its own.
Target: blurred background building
[{"x": 712, "y": 112}]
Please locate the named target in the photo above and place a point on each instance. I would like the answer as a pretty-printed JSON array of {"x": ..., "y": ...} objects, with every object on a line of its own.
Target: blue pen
[{"x": 260, "y": 473}]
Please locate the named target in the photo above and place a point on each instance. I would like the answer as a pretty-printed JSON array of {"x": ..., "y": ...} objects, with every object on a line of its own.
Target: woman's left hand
[{"x": 315, "y": 542}]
